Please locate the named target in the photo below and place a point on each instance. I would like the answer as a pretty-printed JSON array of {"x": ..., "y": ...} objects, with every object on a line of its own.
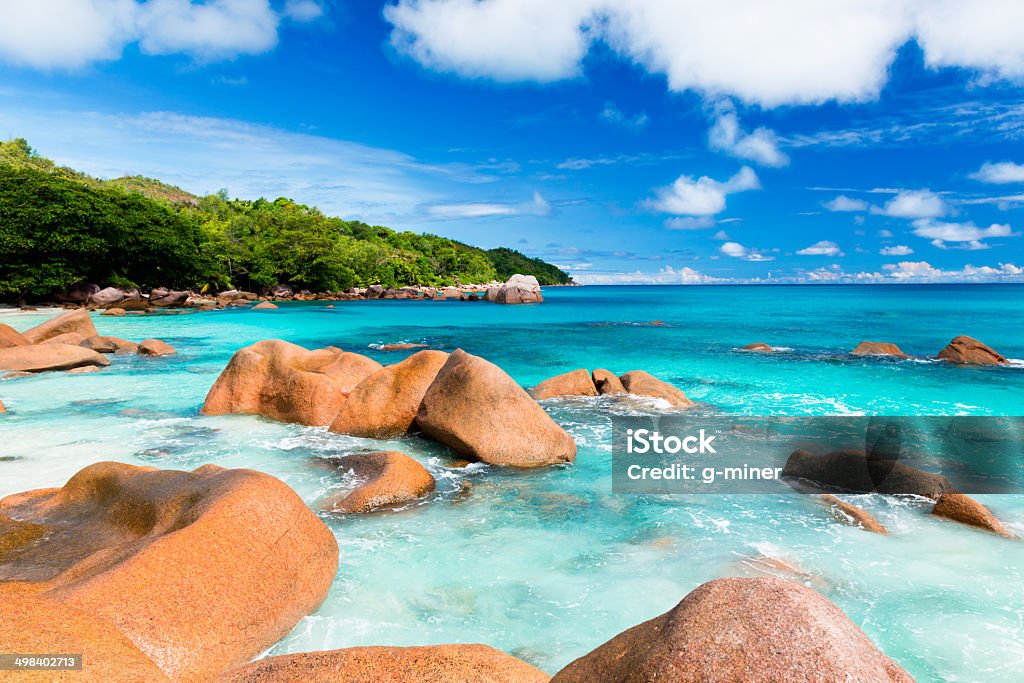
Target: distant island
[{"x": 60, "y": 227}]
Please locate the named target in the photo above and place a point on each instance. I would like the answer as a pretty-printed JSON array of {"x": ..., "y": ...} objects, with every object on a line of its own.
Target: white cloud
[
  {"x": 940, "y": 231},
  {"x": 760, "y": 146},
  {"x": 303, "y": 10},
  {"x": 612, "y": 114},
  {"x": 897, "y": 250},
  {"x": 913, "y": 204},
  {"x": 822, "y": 248},
  {"x": 70, "y": 34},
  {"x": 721, "y": 236},
  {"x": 886, "y": 234},
  {"x": 1000, "y": 173},
  {"x": 690, "y": 223},
  {"x": 666, "y": 276},
  {"x": 737, "y": 250},
  {"x": 911, "y": 269},
  {"x": 537, "y": 206},
  {"x": 703, "y": 196},
  {"x": 844, "y": 203},
  {"x": 771, "y": 54}
]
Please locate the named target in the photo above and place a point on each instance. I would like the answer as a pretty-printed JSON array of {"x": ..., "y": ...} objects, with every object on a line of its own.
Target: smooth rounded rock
[
  {"x": 964, "y": 509},
  {"x": 847, "y": 513},
  {"x": 477, "y": 410},
  {"x": 9, "y": 337},
  {"x": 49, "y": 357},
  {"x": 869, "y": 348},
  {"x": 115, "y": 312},
  {"x": 574, "y": 383},
  {"x": 967, "y": 350},
  {"x": 265, "y": 306},
  {"x": 425, "y": 664},
  {"x": 286, "y": 382},
  {"x": 762, "y": 630},
  {"x": 155, "y": 347},
  {"x": 607, "y": 383},
  {"x": 758, "y": 347},
  {"x": 390, "y": 479},
  {"x": 190, "y": 573},
  {"x": 386, "y": 402},
  {"x": 77, "y": 321},
  {"x": 641, "y": 383}
]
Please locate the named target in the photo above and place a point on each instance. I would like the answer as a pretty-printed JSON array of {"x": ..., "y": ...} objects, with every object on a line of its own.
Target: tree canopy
[{"x": 59, "y": 227}]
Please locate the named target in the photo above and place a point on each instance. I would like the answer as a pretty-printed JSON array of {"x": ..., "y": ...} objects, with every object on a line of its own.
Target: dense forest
[{"x": 59, "y": 227}]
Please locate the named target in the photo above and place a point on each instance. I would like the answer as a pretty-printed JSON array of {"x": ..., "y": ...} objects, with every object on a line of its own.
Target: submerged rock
[
  {"x": 159, "y": 573},
  {"x": 48, "y": 357},
  {"x": 286, "y": 382},
  {"x": 479, "y": 411},
  {"x": 851, "y": 514},
  {"x": 392, "y": 479},
  {"x": 9, "y": 337},
  {"x": 116, "y": 312},
  {"x": 519, "y": 289},
  {"x": 575, "y": 383},
  {"x": 758, "y": 347},
  {"x": 753, "y": 630},
  {"x": 108, "y": 344},
  {"x": 73, "y": 321},
  {"x": 401, "y": 347},
  {"x": 3, "y": 409},
  {"x": 155, "y": 347},
  {"x": 640, "y": 383},
  {"x": 869, "y": 348},
  {"x": 265, "y": 306},
  {"x": 607, "y": 383},
  {"x": 385, "y": 403},
  {"x": 965, "y": 349},
  {"x": 964, "y": 509},
  {"x": 425, "y": 664}
]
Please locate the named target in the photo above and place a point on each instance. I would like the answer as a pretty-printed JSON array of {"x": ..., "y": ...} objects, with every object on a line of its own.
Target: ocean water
[{"x": 549, "y": 564}]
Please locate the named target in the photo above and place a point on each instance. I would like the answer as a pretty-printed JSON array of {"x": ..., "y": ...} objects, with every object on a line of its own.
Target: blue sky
[{"x": 647, "y": 141}]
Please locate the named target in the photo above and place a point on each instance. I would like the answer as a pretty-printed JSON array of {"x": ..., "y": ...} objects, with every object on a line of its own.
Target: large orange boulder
[
  {"x": 640, "y": 383},
  {"x": 477, "y": 410},
  {"x": 72, "y": 338},
  {"x": 575, "y": 383},
  {"x": 385, "y": 403},
  {"x": 10, "y": 337},
  {"x": 77, "y": 320},
  {"x": 108, "y": 344},
  {"x": 870, "y": 348},
  {"x": 48, "y": 357},
  {"x": 758, "y": 347},
  {"x": 389, "y": 479},
  {"x": 964, "y": 509},
  {"x": 286, "y": 382},
  {"x": 760, "y": 630},
  {"x": 158, "y": 572},
  {"x": 965, "y": 349},
  {"x": 607, "y": 383},
  {"x": 851, "y": 470},
  {"x": 426, "y": 664}
]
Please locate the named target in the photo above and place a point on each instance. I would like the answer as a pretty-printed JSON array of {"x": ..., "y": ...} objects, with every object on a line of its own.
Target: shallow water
[{"x": 549, "y": 564}]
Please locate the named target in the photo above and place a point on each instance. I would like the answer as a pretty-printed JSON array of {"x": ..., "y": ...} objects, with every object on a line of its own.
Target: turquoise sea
[{"x": 548, "y": 564}]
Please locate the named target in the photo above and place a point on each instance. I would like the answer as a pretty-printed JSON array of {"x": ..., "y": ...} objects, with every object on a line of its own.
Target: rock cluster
[
  {"x": 602, "y": 382},
  {"x": 67, "y": 342},
  {"x": 459, "y": 400}
]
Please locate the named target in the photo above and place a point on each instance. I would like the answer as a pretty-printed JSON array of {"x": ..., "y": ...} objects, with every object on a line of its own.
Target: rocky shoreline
[{"x": 169, "y": 575}]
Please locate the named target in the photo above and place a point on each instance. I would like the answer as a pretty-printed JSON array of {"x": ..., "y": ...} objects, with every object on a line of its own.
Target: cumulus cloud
[
  {"x": 897, "y": 250},
  {"x": 797, "y": 52},
  {"x": 760, "y": 146},
  {"x": 941, "y": 232},
  {"x": 703, "y": 196},
  {"x": 70, "y": 34},
  {"x": 913, "y": 204},
  {"x": 1000, "y": 173},
  {"x": 721, "y": 236},
  {"x": 822, "y": 248},
  {"x": 612, "y": 114},
  {"x": 844, "y": 203},
  {"x": 737, "y": 250},
  {"x": 666, "y": 276}
]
